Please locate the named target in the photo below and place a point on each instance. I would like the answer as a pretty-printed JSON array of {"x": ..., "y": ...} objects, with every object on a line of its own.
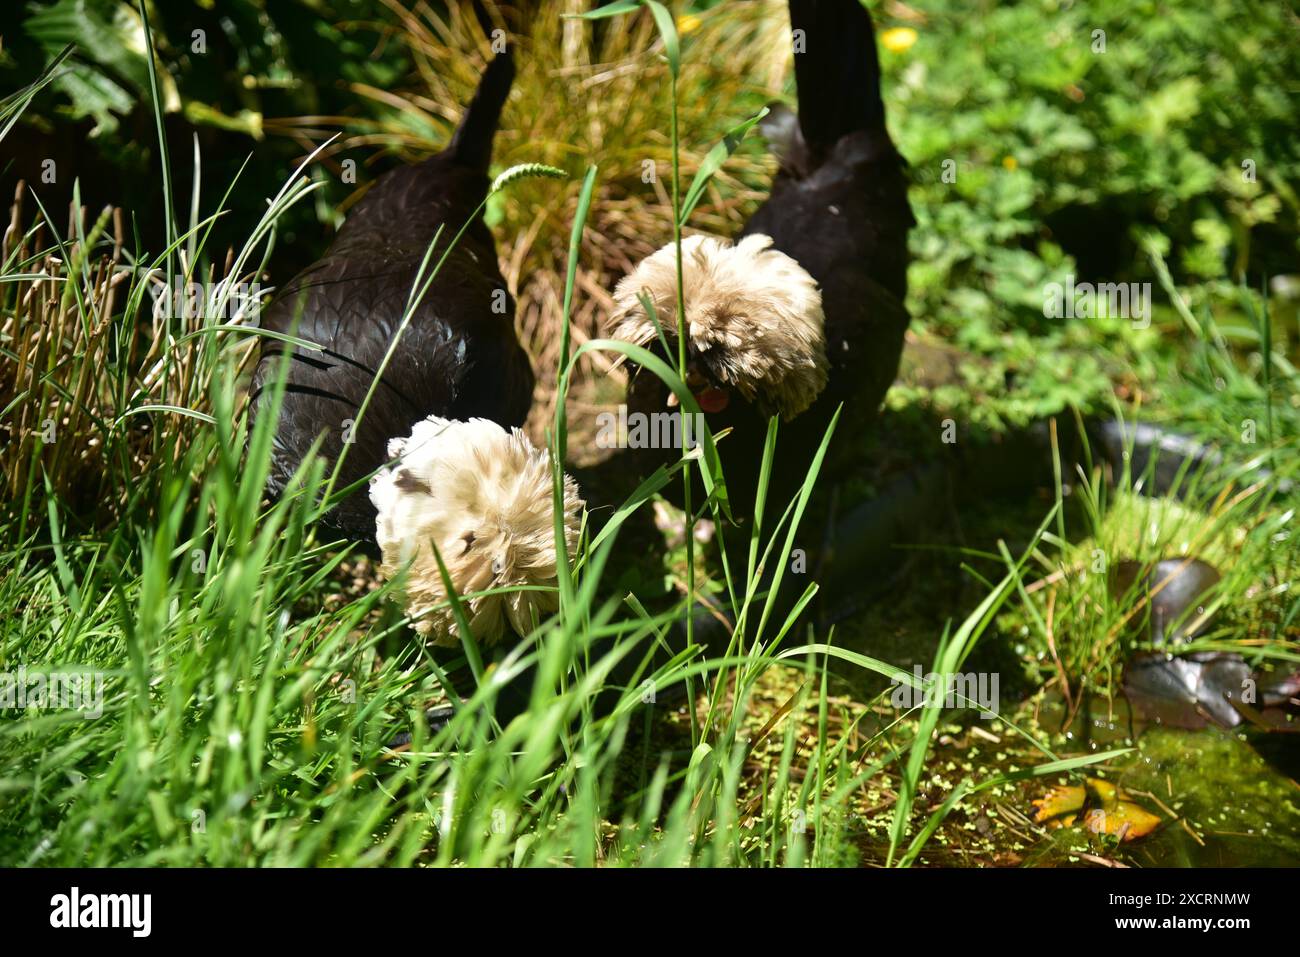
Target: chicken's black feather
[
  {"x": 458, "y": 357},
  {"x": 839, "y": 207}
]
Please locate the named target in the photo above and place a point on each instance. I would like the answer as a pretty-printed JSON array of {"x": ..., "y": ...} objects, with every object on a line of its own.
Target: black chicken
[
  {"x": 458, "y": 358},
  {"x": 758, "y": 342}
]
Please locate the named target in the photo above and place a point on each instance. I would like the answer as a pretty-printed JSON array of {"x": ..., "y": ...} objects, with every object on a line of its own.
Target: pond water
[
  {"x": 1234, "y": 793},
  {"x": 1227, "y": 798}
]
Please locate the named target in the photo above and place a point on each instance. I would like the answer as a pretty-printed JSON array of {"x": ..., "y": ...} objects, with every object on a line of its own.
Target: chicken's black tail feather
[
  {"x": 837, "y": 71},
  {"x": 472, "y": 142}
]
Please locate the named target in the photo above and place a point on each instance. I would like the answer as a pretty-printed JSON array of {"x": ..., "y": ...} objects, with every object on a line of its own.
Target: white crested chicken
[
  {"x": 805, "y": 311},
  {"x": 482, "y": 497}
]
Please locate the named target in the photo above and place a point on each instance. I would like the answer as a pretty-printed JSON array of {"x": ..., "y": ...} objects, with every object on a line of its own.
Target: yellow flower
[
  {"x": 1009, "y": 163},
  {"x": 687, "y": 23},
  {"x": 898, "y": 39}
]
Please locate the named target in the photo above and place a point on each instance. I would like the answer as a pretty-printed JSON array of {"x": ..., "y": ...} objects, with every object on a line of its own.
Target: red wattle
[{"x": 712, "y": 400}]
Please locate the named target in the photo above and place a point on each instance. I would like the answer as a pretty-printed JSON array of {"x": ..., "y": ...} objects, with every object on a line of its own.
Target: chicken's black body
[
  {"x": 457, "y": 358},
  {"x": 838, "y": 207}
]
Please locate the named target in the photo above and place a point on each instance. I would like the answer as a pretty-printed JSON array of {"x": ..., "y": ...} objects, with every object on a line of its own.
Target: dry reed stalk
[{"x": 72, "y": 365}]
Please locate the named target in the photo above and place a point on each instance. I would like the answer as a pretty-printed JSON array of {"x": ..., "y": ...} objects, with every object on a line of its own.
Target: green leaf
[
  {"x": 711, "y": 473},
  {"x": 12, "y": 106},
  {"x": 201, "y": 416},
  {"x": 608, "y": 10},
  {"x": 853, "y": 657},
  {"x": 663, "y": 20},
  {"x": 714, "y": 160},
  {"x": 667, "y": 30}
]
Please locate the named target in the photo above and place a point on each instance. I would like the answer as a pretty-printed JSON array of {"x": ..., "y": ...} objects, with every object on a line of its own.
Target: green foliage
[
  {"x": 220, "y": 65},
  {"x": 227, "y": 73},
  {"x": 1065, "y": 157}
]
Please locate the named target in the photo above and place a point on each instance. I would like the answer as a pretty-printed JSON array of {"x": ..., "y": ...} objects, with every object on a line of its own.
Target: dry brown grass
[
  {"x": 77, "y": 355},
  {"x": 45, "y": 388},
  {"x": 583, "y": 95}
]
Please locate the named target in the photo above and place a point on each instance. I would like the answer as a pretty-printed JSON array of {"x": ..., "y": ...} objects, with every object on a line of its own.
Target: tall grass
[{"x": 1231, "y": 504}]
